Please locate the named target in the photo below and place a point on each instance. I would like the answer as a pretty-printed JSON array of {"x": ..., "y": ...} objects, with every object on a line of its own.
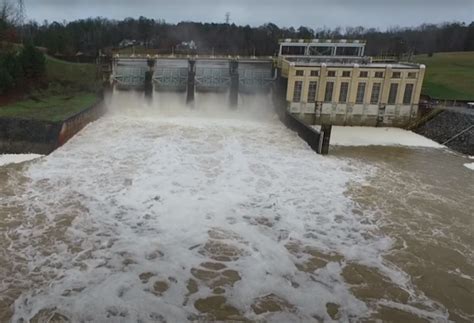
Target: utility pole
[
  {"x": 21, "y": 17},
  {"x": 227, "y": 18}
]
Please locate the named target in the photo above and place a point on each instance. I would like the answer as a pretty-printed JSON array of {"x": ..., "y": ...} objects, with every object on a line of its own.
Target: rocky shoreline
[{"x": 452, "y": 129}]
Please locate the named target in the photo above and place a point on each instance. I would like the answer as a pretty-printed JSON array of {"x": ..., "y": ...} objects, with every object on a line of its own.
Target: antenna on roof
[{"x": 227, "y": 17}]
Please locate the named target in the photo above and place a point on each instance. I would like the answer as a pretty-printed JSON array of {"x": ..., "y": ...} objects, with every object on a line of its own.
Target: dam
[{"x": 313, "y": 82}]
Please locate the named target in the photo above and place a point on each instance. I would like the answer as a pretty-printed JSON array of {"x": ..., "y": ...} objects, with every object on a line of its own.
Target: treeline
[
  {"x": 17, "y": 68},
  {"x": 89, "y": 36}
]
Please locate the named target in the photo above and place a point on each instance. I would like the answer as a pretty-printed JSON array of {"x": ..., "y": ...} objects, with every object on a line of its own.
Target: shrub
[
  {"x": 11, "y": 63},
  {"x": 17, "y": 67},
  {"x": 6, "y": 81},
  {"x": 32, "y": 61}
]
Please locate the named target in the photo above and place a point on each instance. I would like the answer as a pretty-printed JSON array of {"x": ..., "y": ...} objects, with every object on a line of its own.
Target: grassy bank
[
  {"x": 75, "y": 75},
  {"x": 449, "y": 75},
  {"x": 66, "y": 89},
  {"x": 51, "y": 107}
]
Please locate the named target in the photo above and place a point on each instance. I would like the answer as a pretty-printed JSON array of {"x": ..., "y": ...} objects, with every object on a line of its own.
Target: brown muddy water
[{"x": 147, "y": 217}]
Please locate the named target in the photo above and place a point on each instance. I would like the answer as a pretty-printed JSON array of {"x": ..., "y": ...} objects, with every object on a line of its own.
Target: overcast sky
[{"x": 312, "y": 13}]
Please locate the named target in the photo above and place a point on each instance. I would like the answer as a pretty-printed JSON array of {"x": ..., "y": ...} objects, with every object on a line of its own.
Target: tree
[
  {"x": 6, "y": 80},
  {"x": 33, "y": 61}
]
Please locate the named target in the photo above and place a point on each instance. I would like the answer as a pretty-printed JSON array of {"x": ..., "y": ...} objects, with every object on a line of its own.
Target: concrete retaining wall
[
  {"x": 307, "y": 133},
  {"x": 19, "y": 136}
]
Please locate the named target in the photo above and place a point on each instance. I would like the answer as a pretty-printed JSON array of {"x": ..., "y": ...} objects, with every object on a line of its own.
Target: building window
[
  {"x": 314, "y": 73},
  {"x": 412, "y": 75},
  {"x": 364, "y": 74},
  {"x": 343, "y": 92},
  {"x": 396, "y": 75},
  {"x": 297, "y": 91},
  {"x": 331, "y": 73},
  {"x": 375, "y": 96},
  {"x": 408, "y": 94},
  {"x": 346, "y": 74},
  {"x": 328, "y": 92},
  {"x": 312, "y": 91},
  {"x": 360, "y": 92},
  {"x": 293, "y": 50},
  {"x": 347, "y": 51},
  {"x": 379, "y": 75},
  {"x": 392, "y": 94},
  {"x": 320, "y": 51},
  {"x": 299, "y": 72}
]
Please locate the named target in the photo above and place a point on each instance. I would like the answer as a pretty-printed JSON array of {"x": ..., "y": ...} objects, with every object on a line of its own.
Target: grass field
[
  {"x": 77, "y": 75},
  {"x": 50, "y": 107},
  {"x": 72, "y": 87},
  {"x": 449, "y": 76}
]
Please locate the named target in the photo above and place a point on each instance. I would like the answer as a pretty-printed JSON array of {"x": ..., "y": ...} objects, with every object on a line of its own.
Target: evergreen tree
[{"x": 32, "y": 61}]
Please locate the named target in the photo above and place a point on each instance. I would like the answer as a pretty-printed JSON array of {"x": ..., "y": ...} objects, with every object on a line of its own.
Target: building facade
[{"x": 333, "y": 83}]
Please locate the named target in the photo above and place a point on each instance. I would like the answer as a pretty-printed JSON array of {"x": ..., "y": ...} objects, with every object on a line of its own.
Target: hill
[
  {"x": 67, "y": 89},
  {"x": 449, "y": 76}
]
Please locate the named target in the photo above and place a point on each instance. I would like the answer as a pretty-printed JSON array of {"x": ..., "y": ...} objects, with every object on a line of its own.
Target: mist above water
[{"x": 251, "y": 107}]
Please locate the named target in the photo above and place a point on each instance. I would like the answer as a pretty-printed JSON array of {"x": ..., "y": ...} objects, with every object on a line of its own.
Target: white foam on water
[
  {"x": 141, "y": 194},
  {"x": 380, "y": 136},
  {"x": 469, "y": 165},
  {"x": 6, "y": 159}
]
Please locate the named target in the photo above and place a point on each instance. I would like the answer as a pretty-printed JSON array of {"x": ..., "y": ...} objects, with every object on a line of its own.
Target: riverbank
[
  {"x": 453, "y": 129},
  {"x": 40, "y": 130},
  {"x": 42, "y": 115}
]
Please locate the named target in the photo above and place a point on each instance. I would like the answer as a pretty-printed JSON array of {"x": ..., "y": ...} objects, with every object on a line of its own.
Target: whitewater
[{"x": 151, "y": 215}]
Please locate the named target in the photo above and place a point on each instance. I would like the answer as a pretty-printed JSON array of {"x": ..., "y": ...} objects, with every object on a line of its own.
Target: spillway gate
[{"x": 195, "y": 74}]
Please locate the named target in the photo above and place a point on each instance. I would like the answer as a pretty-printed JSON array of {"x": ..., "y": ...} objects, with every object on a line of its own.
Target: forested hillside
[{"x": 88, "y": 36}]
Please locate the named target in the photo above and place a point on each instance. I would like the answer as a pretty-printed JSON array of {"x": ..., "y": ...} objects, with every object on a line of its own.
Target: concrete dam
[
  {"x": 194, "y": 74},
  {"x": 312, "y": 82}
]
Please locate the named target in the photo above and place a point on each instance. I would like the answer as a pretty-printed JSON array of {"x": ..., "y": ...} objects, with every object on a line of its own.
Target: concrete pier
[
  {"x": 234, "y": 83},
  {"x": 149, "y": 78},
  {"x": 148, "y": 84},
  {"x": 324, "y": 138},
  {"x": 191, "y": 81}
]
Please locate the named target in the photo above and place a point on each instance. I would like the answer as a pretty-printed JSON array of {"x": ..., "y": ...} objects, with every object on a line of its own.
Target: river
[{"x": 157, "y": 213}]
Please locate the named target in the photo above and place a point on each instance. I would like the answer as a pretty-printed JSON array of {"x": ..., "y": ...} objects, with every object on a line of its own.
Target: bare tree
[
  {"x": 6, "y": 11},
  {"x": 12, "y": 12}
]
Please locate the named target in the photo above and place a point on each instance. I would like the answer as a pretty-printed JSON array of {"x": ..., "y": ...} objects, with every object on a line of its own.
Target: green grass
[
  {"x": 71, "y": 88},
  {"x": 49, "y": 108},
  {"x": 449, "y": 76},
  {"x": 77, "y": 75}
]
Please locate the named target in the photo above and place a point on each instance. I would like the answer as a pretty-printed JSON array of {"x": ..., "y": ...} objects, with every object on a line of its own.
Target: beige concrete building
[{"x": 331, "y": 82}]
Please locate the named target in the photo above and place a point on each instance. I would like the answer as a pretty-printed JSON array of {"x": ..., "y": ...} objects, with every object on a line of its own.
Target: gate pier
[
  {"x": 191, "y": 79},
  {"x": 234, "y": 83}
]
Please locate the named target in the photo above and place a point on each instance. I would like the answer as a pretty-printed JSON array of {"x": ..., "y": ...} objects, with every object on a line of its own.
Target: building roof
[
  {"x": 345, "y": 62},
  {"x": 321, "y": 41}
]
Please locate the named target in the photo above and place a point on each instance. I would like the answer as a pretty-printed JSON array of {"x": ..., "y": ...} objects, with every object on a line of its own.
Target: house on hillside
[
  {"x": 127, "y": 43},
  {"x": 189, "y": 46}
]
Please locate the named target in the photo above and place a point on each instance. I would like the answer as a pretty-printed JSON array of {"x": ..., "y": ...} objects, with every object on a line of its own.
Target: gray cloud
[{"x": 313, "y": 13}]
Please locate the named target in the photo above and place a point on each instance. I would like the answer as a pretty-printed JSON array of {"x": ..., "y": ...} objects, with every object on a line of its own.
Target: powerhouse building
[{"x": 332, "y": 82}]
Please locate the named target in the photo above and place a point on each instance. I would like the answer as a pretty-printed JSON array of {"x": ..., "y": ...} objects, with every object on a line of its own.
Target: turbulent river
[{"x": 156, "y": 213}]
